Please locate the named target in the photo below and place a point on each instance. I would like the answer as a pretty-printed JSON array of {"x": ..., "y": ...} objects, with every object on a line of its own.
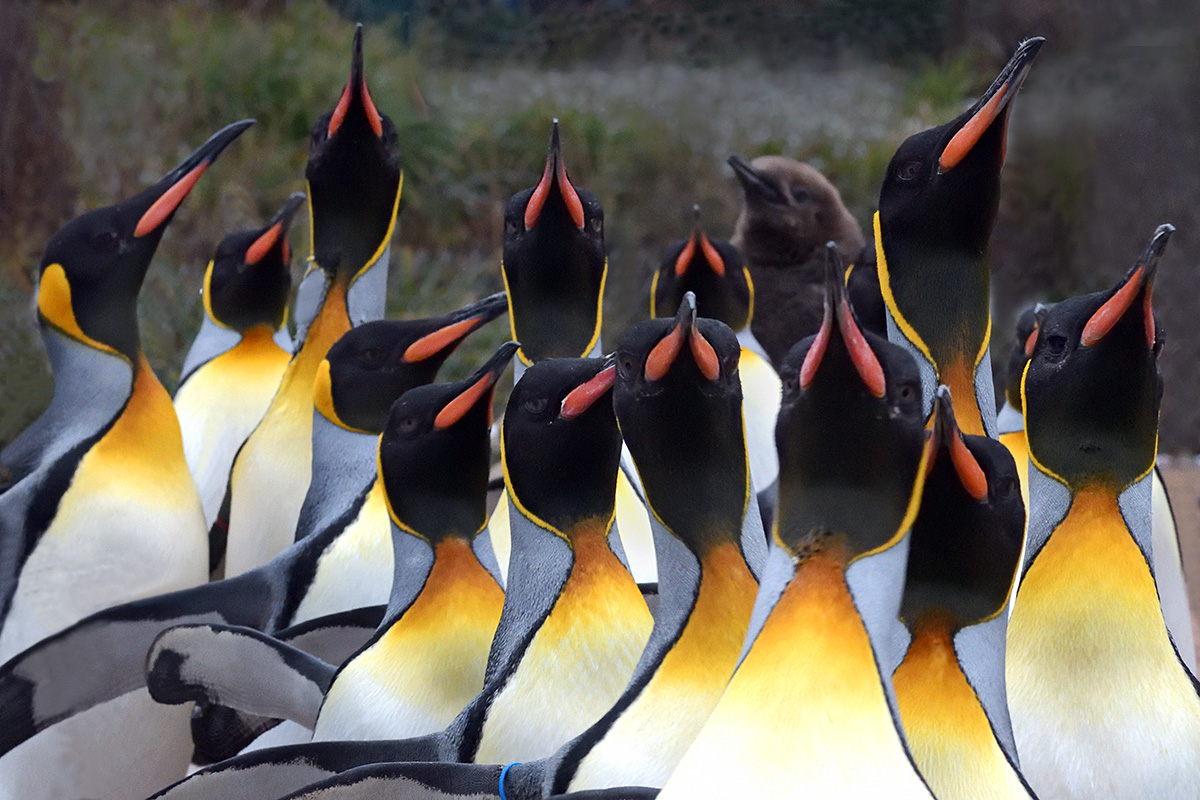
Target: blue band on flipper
[{"x": 503, "y": 775}]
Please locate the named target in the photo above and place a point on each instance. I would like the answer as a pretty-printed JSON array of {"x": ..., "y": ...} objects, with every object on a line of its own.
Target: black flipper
[
  {"x": 103, "y": 656},
  {"x": 421, "y": 781},
  {"x": 239, "y": 667}
]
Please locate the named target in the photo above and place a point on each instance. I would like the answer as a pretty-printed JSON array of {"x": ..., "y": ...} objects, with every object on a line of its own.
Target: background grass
[{"x": 652, "y": 97}]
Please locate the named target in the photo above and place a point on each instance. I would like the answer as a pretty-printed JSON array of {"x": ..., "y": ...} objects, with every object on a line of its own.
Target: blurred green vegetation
[{"x": 652, "y": 98}]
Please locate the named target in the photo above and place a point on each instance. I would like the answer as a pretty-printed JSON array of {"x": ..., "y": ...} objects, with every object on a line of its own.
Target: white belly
[
  {"x": 357, "y": 569},
  {"x": 126, "y": 748},
  {"x": 114, "y": 539}
]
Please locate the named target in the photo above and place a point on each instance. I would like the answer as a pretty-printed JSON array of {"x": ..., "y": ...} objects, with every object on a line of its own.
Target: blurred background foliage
[{"x": 99, "y": 99}]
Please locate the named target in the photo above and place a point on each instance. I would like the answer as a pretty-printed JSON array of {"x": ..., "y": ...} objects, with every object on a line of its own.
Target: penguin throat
[{"x": 949, "y": 733}]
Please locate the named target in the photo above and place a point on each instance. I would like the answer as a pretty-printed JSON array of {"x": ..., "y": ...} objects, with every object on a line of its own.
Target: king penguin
[
  {"x": 1102, "y": 705},
  {"x": 937, "y": 207},
  {"x": 104, "y": 509},
  {"x": 238, "y": 357},
  {"x": 554, "y": 269},
  {"x": 1168, "y": 559},
  {"x": 354, "y": 182},
  {"x": 712, "y": 270},
  {"x": 345, "y": 562},
  {"x": 810, "y": 711},
  {"x": 964, "y": 553},
  {"x": 427, "y": 658},
  {"x": 678, "y": 402},
  {"x": 573, "y": 624}
]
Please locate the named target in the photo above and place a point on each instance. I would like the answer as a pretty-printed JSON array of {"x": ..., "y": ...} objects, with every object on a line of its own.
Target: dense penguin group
[{"x": 775, "y": 542}]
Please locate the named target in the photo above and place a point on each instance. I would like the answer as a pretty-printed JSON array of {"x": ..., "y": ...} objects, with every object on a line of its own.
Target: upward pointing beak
[
  {"x": 176, "y": 184},
  {"x": 356, "y": 99},
  {"x": 993, "y": 105}
]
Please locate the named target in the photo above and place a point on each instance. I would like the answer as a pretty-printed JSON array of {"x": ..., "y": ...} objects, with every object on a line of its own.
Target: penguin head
[
  {"x": 678, "y": 399},
  {"x": 710, "y": 269},
  {"x": 1092, "y": 387},
  {"x": 554, "y": 264},
  {"x": 1027, "y": 333},
  {"x": 562, "y": 447},
  {"x": 968, "y": 534},
  {"x": 372, "y": 365},
  {"x": 788, "y": 209},
  {"x": 951, "y": 173},
  {"x": 93, "y": 267},
  {"x": 435, "y": 451},
  {"x": 353, "y": 177},
  {"x": 850, "y": 434},
  {"x": 249, "y": 279}
]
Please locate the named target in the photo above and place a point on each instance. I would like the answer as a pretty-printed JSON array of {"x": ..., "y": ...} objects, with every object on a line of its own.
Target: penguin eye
[
  {"x": 371, "y": 356},
  {"x": 907, "y": 392},
  {"x": 626, "y": 364},
  {"x": 512, "y": 226},
  {"x": 909, "y": 170},
  {"x": 1005, "y": 486},
  {"x": 597, "y": 224},
  {"x": 732, "y": 361},
  {"x": 791, "y": 388},
  {"x": 106, "y": 241},
  {"x": 535, "y": 405},
  {"x": 1055, "y": 345},
  {"x": 799, "y": 194},
  {"x": 409, "y": 425}
]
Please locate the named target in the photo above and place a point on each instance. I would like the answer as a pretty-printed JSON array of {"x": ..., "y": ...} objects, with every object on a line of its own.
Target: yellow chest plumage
[
  {"x": 803, "y": 709},
  {"x": 648, "y": 739},
  {"x": 416, "y": 677},
  {"x": 273, "y": 470},
  {"x": 1101, "y": 705},
  {"x": 128, "y": 526},
  {"x": 578, "y": 662},
  {"x": 219, "y": 406},
  {"x": 948, "y": 731}
]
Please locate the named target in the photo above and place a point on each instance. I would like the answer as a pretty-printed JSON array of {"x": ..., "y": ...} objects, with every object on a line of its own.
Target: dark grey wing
[
  {"x": 103, "y": 656},
  {"x": 277, "y": 771},
  {"x": 220, "y": 732},
  {"x": 238, "y": 667},
  {"x": 414, "y": 781}
]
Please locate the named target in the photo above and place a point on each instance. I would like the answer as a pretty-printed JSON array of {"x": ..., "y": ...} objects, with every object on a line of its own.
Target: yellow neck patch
[{"x": 54, "y": 307}]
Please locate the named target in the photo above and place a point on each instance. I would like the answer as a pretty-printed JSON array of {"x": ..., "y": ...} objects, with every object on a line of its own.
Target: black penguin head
[
  {"x": 788, "y": 209},
  {"x": 678, "y": 399},
  {"x": 249, "y": 279},
  {"x": 942, "y": 186},
  {"x": 1027, "y": 333},
  {"x": 435, "y": 451},
  {"x": 373, "y": 364},
  {"x": 93, "y": 267},
  {"x": 967, "y": 538},
  {"x": 353, "y": 178},
  {"x": 561, "y": 443},
  {"x": 1092, "y": 388},
  {"x": 554, "y": 264},
  {"x": 850, "y": 434},
  {"x": 710, "y": 269}
]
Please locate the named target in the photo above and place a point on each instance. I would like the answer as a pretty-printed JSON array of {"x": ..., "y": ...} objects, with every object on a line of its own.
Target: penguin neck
[
  {"x": 547, "y": 565},
  {"x": 706, "y": 610},
  {"x": 569, "y": 637},
  {"x": 950, "y": 689},
  {"x": 343, "y": 468},
  {"x": 445, "y": 573},
  {"x": 212, "y": 341},
  {"x": 90, "y": 388},
  {"x": 937, "y": 302}
]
